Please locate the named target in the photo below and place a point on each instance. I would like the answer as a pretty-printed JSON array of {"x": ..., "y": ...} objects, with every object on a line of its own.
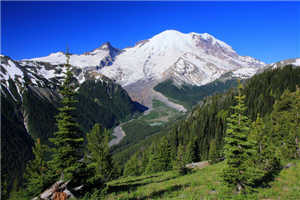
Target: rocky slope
[
  {"x": 30, "y": 100},
  {"x": 195, "y": 59}
]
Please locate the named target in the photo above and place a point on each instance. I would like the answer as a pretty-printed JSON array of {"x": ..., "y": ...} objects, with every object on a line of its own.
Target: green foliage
[
  {"x": 146, "y": 125},
  {"x": 264, "y": 158},
  {"x": 181, "y": 161},
  {"x": 68, "y": 140},
  {"x": 213, "y": 155},
  {"x": 103, "y": 102},
  {"x": 36, "y": 175},
  {"x": 207, "y": 123},
  {"x": 40, "y": 111},
  {"x": 132, "y": 167},
  {"x": 98, "y": 157},
  {"x": 191, "y": 152},
  {"x": 160, "y": 157},
  {"x": 238, "y": 147},
  {"x": 189, "y": 95},
  {"x": 16, "y": 143},
  {"x": 285, "y": 129}
]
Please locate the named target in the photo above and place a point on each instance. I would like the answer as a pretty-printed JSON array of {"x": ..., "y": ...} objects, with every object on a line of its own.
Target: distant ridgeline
[
  {"x": 190, "y": 95},
  {"x": 206, "y": 124},
  {"x": 29, "y": 104}
]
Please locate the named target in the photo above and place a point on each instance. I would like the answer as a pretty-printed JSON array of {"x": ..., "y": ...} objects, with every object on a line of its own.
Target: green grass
[{"x": 201, "y": 184}]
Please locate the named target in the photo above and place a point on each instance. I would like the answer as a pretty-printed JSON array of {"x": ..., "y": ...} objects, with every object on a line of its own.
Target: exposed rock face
[
  {"x": 192, "y": 58},
  {"x": 99, "y": 57}
]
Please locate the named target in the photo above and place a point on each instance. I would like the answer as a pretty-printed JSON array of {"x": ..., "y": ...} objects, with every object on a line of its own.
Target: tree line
[{"x": 253, "y": 127}]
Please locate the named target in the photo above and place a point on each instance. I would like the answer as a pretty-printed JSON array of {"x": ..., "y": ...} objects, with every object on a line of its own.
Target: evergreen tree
[
  {"x": 264, "y": 158},
  {"x": 191, "y": 151},
  {"x": 68, "y": 140},
  {"x": 296, "y": 109},
  {"x": 154, "y": 160},
  {"x": 285, "y": 118},
  {"x": 164, "y": 152},
  {"x": 180, "y": 161},
  {"x": 36, "y": 177},
  {"x": 213, "y": 155},
  {"x": 132, "y": 167},
  {"x": 99, "y": 157},
  {"x": 160, "y": 158},
  {"x": 237, "y": 148}
]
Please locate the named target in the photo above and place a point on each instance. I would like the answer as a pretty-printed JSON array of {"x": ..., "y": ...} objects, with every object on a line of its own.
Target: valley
[{"x": 165, "y": 104}]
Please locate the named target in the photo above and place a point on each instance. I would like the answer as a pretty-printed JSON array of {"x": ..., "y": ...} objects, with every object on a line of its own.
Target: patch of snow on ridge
[
  {"x": 12, "y": 71},
  {"x": 297, "y": 62},
  {"x": 244, "y": 72},
  {"x": 83, "y": 60}
]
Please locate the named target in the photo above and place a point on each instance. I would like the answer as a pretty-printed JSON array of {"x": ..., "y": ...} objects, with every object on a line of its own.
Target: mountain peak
[
  {"x": 105, "y": 46},
  {"x": 169, "y": 34}
]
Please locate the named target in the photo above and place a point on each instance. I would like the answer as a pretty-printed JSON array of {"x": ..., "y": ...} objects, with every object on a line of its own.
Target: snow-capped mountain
[
  {"x": 101, "y": 56},
  {"x": 191, "y": 58}
]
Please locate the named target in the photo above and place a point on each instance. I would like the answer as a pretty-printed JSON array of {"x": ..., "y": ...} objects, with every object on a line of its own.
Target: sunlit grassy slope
[{"x": 201, "y": 184}]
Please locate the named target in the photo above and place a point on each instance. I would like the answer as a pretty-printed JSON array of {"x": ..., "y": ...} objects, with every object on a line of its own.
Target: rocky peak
[{"x": 106, "y": 47}]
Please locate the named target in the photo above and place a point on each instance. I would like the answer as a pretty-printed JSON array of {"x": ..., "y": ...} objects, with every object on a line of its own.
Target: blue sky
[{"x": 268, "y": 31}]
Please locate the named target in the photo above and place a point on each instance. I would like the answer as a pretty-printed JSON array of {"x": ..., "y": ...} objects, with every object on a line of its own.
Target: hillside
[
  {"x": 30, "y": 101},
  {"x": 202, "y": 183}
]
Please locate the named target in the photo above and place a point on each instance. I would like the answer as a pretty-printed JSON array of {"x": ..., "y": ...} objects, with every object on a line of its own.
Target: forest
[{"x": 253, "y": 130}]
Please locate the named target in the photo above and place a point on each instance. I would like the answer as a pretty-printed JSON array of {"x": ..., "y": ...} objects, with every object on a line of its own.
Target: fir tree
[
  {"x": 286, "y": 123},
  {"x": 132, "y": 167},
  {"x": 180, "y": 161},
  {"x": 263, "y": 158},
  {"x": 99, "y": 157},
  {"x": 68, "y": 140},
  {"x": 296, "y": 109},
  {"x": 213, "y": 155},
  {"x": 237, "y": 148},
  {"x": 191, "y": 151},
  {"x": 36, "y": 177},
  {"x": 160, "y": 157}
]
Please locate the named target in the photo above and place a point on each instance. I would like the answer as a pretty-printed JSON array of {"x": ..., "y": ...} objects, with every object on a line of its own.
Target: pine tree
[
  {"x": 99, "y": 157},
  {"x": 237, "y": 148},
  {"x": 36, "y": 177},
  {"x": 68, "y": 140}
]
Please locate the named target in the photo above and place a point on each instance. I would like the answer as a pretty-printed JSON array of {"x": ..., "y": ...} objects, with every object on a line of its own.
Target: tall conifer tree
[
  {"x": 237, "y": 148},
  {"x": 36, "y": 177},
  {"x": 68, "y": 140},
  {"x": 213, "y": 155},
  {"x": 99, "y": 155}
]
